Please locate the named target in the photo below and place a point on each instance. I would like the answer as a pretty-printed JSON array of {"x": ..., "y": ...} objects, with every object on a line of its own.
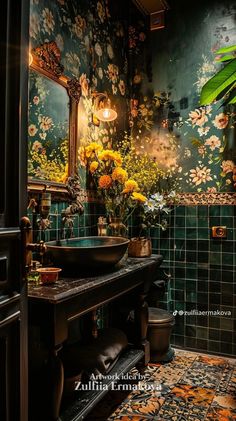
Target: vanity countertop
[{"x": 67, "y": 287}]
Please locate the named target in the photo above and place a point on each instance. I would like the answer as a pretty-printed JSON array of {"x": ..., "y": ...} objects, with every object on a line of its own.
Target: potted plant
[
  {"x": 151, "y": 216},
  {"x": 223, "y": 83}
]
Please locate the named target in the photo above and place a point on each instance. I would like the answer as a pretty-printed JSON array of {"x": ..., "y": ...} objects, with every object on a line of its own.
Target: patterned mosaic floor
[{"x": 195, "y": 387}]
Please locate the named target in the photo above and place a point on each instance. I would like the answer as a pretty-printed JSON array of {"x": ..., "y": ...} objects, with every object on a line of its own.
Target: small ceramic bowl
[{"x": 48, "y": 275}]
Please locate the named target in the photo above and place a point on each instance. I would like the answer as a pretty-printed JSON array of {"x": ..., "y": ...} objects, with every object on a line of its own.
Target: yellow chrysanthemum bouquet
[{"x": 122, "y": 177}]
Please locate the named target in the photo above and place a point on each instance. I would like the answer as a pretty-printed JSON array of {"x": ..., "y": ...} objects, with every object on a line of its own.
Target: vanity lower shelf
[{"x": 85, "y": 401}]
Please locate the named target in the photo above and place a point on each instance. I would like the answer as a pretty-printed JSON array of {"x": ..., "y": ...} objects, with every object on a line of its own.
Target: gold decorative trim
[
  {"x": 74, "y": 89},
  {"x": 49, "y": 57},
  {"x": 185, "y": 199},
  {"x": 194, "y": 199}
]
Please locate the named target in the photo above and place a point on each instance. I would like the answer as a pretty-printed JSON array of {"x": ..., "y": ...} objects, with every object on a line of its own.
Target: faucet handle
[{"x": 40, "y": 247}]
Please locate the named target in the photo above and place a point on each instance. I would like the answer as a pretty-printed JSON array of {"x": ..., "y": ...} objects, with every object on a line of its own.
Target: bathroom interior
[{"x": 117, "y": 210}]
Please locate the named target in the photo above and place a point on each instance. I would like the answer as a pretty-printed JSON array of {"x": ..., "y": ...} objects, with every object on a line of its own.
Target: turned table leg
[
  {"x": 56, "y": 382},
  {"x": 141, "y": 320}
]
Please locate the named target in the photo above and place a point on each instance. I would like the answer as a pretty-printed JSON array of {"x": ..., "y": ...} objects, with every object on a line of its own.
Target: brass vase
[
  {"x": 140, "y": 247},
  {"x": 116, "y": 228}
]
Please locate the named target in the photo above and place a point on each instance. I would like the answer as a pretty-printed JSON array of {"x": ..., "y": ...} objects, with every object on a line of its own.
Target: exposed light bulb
[{"x": 106, "y": 113}]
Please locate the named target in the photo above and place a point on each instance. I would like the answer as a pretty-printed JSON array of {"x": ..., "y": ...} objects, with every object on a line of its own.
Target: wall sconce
[{"x": 102, "y": 108}]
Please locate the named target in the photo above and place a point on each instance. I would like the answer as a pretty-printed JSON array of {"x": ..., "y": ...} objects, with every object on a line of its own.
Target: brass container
[
  {"x": 116, "y": 228},
  {"x": 45, "y": 205},
  {"x": 140, "y": 247}
]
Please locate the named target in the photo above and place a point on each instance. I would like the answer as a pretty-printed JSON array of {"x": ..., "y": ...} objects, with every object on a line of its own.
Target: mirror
[{"x": 52, "y": 123}]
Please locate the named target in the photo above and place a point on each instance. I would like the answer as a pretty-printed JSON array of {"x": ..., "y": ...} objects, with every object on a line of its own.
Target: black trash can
[{"x": 160, "y": 324}]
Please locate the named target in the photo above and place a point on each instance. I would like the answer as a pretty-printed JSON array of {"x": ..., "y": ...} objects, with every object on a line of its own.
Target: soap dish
[{"x": 48, "y": 275}]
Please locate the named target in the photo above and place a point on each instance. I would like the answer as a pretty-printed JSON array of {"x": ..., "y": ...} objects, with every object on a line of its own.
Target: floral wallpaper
[
  {"x": 154, "y": 81},
  {"x": 195, "y": 144},
  {"x": 93, "y": 46}
]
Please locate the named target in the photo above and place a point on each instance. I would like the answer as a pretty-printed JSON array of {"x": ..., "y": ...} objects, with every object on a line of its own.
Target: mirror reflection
[{"x": 48, "y": 129}]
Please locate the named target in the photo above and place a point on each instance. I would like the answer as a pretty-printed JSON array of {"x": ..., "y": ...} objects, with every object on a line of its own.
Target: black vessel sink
[{"x": 90, "y": 252}]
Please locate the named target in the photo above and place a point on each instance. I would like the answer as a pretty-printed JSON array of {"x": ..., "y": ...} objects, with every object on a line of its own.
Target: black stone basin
[{"x": 87, "y": 252}]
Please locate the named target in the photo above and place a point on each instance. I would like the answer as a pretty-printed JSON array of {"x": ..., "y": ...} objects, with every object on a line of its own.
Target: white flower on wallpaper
[
  {"x": 211, "y": 190},
  {"x": 84, "y": 82},
  {"x": 203, "y": 130},
  {"x": 204, "y": 72},
  {"x": 98, "y": 49},
  {"x": 100, "y": 73},
  {"x": 36, "y": 100},
  {"x": 121, "y": 85},
  {"x": 221, "y": 121},
  {"x": 202, "y": 150},
  {"x": 114, "y": 89},
  {"x": 101, "y": 11},
  {"x": 66, "y": 20},
  {"x": 213, "y": 142},
  {"x": 36, "y": 145},
  {"x": 48, "y": 20},
  {"x": 43, "y": 135},
  {"x": 79, "y": 26},
  {"x": 45, "y": 122},
  {"x": 34, "y": 25},
  {"x": 112, "y": 72},
  {"x": 198, "y": 117},
  {"x": 211, "y": 147},
  {"x": 60, "y": 42},
  {"x": 32, "y": 130},
  {"x": 200, "y": 175},
  {"x": 87, "y": 43},
  {"x": 227, "y": 167},
  {"x": 187, "y": 153},
  {"x": 110, "y": 51},
  {"x": 72, "y": 63}
]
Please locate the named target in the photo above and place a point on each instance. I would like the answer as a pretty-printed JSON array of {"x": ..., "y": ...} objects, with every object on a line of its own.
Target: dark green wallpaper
[{"x": 196, "y": 143}]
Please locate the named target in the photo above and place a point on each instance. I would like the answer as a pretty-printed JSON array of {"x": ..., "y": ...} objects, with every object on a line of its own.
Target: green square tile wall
[
  {"x": 84, "y": 225},
  {"x": 203, "y": 277}
]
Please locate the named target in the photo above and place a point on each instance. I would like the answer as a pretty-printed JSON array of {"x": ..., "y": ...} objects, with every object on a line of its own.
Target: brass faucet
[
  {"x": 67, "y": 223},
  {"x": 27, "y": 244},
  {"x": 75, "y": 207}
]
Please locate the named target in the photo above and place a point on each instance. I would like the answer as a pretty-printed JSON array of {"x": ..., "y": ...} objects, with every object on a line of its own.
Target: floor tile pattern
[{"x": 192, "y": 387}]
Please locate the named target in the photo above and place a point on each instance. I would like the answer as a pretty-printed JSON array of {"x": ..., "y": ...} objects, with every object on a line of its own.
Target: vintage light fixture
[{"x": 102, "y": 107}]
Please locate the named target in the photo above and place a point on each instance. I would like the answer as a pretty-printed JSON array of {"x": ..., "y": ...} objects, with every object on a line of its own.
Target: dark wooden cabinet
[
  {"x": 14, "y": 17},
  {"x": 52, "y": 308}
]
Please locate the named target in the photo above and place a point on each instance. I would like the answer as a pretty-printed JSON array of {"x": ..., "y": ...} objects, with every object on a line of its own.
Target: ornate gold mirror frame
[{"x": 46, "y": 61}]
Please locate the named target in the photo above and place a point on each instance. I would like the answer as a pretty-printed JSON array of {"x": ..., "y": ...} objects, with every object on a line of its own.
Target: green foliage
[{"x": 223, "y": 83}]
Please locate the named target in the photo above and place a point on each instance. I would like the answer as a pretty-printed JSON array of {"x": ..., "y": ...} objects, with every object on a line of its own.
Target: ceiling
[{"x": 147, "y": 7}]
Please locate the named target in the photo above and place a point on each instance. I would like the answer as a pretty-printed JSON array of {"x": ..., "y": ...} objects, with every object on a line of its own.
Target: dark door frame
[{"x": 14, "y": 47}]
